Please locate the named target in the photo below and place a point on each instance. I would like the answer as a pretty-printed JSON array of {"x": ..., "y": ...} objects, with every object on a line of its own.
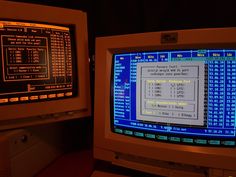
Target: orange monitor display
[
  {"x": 37, "y": 62},
  {"x": 44, "y": 64}
]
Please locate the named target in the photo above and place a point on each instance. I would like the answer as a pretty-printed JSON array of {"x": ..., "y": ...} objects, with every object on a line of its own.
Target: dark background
[{"x": 113, "y": 17}]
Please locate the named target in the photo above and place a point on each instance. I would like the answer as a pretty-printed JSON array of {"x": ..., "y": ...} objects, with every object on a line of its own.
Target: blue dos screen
[{"x": 178, "y": 96}]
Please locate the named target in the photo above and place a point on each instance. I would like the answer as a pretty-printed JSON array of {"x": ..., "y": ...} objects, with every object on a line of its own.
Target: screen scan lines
[
  {"x": 28, "y": 39},
  {"x": 203, "y": 55}
]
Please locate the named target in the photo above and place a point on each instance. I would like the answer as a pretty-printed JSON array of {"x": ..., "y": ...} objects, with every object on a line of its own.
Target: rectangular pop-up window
[{"x": 171, "y": 92}]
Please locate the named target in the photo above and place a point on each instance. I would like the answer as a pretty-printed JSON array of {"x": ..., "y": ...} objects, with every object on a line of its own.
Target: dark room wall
[{"x": 110, "y": 17}]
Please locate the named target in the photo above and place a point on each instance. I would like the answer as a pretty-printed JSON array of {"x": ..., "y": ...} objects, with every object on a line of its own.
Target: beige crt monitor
[
  {"x": 165, "y": 102},
  {"x": 44, "y": 64}
]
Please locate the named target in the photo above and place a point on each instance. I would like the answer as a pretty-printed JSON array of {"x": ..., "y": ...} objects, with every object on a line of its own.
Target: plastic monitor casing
[
  {"x": 155, "y": 157},
  {"x": 19, "y": 115}
]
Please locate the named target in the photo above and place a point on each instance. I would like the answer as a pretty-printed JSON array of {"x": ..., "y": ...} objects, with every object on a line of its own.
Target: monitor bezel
[
  {"x": 179, "y": 135},
  {"x": 108, "y": 144},
  {"x": 64, "y": 17}
]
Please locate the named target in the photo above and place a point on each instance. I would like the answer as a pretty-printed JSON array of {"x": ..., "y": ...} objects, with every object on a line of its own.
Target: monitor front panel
[
  {"x": 38, "y": 62},
  {"x": 178, "y": 96}
]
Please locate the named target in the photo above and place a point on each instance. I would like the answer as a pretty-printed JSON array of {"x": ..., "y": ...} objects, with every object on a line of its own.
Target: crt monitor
[
  {"x": 44, "y": 64},
  {"x": 166, "y": 97}
]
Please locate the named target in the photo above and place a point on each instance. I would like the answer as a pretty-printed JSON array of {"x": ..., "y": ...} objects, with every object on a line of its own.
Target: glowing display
[
  {"x": 185, "y": 96},
  {"x": 36, "y": 62},
  {"x": 170, "y": 92}
]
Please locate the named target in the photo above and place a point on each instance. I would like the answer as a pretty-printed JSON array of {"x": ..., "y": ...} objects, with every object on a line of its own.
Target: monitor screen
[
  {"x": 37, "y": 61},
  {"x": 179, "y": 96},
  {"x": 164, "y": 100},
  {"x": 44, "y": 64}
]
